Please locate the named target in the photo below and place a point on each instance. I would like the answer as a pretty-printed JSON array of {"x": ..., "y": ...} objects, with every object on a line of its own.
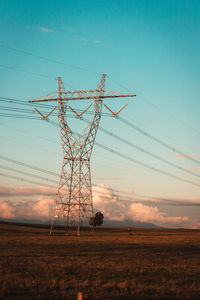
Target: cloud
[
  {"x": 181, "y": 155},
  {"x": 40, "y": 28},
  {"x": 7, "y": 211},
  {"x": 43, "y": 207},
  {"x": 38, "y": 209},
  {"x": 192, "y": 170},
  {"x": 105, "y": 201},
  {"x": 114, "y": 209},
  {"x": 106, "y": 178},
  {"x": 130, "y": 192},
  {"x": 68, "y": 28},
  {"x": 165, "y": 201},
  {"x": 38, "y": 203},
  {"x": 82, "y": 40},
  {"x": 144, "y": 213},
  {"x": 46, "y": 30},
  {"x": 26, "y": 191}
]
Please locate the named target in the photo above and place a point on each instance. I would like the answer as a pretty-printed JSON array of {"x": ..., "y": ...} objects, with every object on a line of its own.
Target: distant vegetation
[
  {"x": 97, "y": 220},
  {"x": 107, "y": 264}
]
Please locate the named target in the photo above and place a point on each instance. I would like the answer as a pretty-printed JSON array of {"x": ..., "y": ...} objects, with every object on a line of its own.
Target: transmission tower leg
[
  {"x": 66, "y": 227},
  {"x": 53, "y": 221}
]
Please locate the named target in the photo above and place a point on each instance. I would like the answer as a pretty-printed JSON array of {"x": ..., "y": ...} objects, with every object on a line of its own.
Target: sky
[{"x": 148, "y": 48}]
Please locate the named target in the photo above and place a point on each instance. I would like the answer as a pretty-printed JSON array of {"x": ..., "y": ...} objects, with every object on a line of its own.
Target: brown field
[{"x": 110, "y": 264}]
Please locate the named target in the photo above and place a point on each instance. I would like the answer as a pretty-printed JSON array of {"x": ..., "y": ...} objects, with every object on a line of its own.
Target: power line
[
  {"x": 170, "y": 115},
  {"x": 33, "y": 175},
  {"x": 138, "y": 162},
  {"x": 29, "y": 146},
  {"x": 157, "y": 140},
  {"x": 134, "y": 127},
  {"x": 51, "y": 141},
  {"x": 16, "y": 109},
  {"x": 146, "y": 134},
  {"x": 112, "y": 151},
  {"x": 146, "y": 165},
  {"x": 28, "y": 72},
  {"x": 50, "y": 60},
  {"x": 28, "y": 166},
  {"x": 156, "y": 106},
  {"x": 177, "y": 202},
  {"x": 23, "y": 103},
  {"x": 29, "y": 133},
  {"x": 86, "y": 70},
  {"x": 26, "y": 180},
  {"x": 26, "y": 173},
  {"x": 145, "y": 151},
  {"x": 19, "y": 116},
  {"x": 49, "y": 172},
  {"x": 137, "y": 198},
  {"x": 33, "y": 73}
]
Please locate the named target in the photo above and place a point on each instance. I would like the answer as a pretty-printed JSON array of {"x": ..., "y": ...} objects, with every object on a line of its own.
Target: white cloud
[
  {"x": 181, "y": 155},
  {"x": 39, "y": 201},
  {"x": 144, "y": 213},
  {"x": 38, "y": 209},
  {"x": 114, "y": 209},
  {"x": 106, "y": 178},
  {"x": 68, "y": 28},
  {"x": 184, "y": 155},
  {"x": 40, "y": 28},
  {"x": 192, "y": 170},
  {"x": 43, "y": 207},
  {"x": 46, "y": 30},
  {"x": 26, "y": 191},
  {"x": 105, "y": 201},
  {"x": 131, "y": 192},
  {"x": 7, "y": 211},
  {"x": 82, "y": 40}
]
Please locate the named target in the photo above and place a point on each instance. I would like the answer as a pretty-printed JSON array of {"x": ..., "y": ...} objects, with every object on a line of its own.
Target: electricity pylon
[{"x": 74, "y": 195}]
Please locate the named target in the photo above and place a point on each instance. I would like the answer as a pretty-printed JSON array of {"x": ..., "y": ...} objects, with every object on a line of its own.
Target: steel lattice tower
[{"x": 74, "y": 195}]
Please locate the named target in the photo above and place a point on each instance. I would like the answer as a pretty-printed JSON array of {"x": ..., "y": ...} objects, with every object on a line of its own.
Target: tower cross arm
[{"x": 81, "y": 95}]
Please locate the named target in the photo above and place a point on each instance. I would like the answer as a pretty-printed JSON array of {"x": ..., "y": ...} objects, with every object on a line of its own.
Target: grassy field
[{"x": 110, "y": 264}]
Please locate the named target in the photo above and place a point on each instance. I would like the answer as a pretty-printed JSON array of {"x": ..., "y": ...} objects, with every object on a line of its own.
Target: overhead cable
[
  {"x": 146, "y": 152},
  {"x": 26, "y": 173},
  {"x": 28, "y": 165},
  {"x": 158, "y": 140},
  {"x": 49, "y": 59},
  {"x": 26, "y": 180},
  {"x": 146, "y": 165}
]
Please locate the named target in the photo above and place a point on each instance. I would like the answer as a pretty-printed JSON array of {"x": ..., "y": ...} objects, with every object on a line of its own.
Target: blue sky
[{"x": 150, "y": 48}]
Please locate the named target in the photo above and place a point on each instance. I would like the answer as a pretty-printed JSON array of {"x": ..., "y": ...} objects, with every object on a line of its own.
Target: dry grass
[{"x": 112, "y": 264}]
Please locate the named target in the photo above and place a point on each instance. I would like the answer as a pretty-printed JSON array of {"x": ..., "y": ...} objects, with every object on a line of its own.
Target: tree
[{"x": 97, "y": 220}]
